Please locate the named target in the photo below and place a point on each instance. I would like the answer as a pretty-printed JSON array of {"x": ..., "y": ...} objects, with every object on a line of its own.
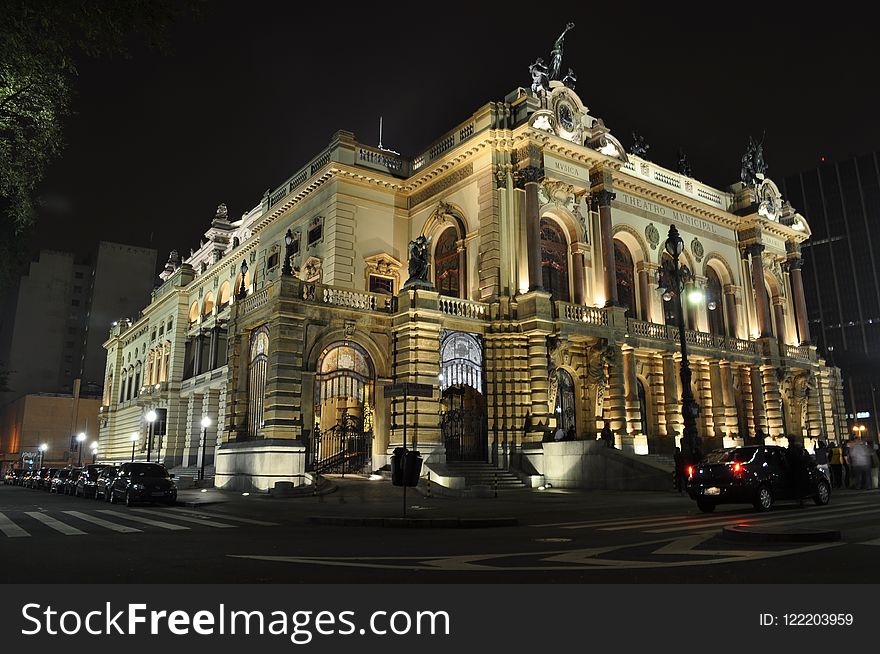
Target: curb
[
  {"x": 423, "y": 523},
  {"x": 745, "y": 533}
]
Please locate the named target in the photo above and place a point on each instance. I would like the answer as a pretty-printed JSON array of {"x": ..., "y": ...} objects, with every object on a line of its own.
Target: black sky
[{"x": 254, "y": 89}]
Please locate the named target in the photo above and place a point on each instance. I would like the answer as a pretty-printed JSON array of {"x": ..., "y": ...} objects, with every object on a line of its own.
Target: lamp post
[
  {"x": 151, "y": 418},
  {"x": 94, "y": 447},
  {"x": 134, "y": 439},
  {"x": 242, "y": 291},
  {"x": 80, "y": 438},
  {"x": 673, "y": 277},
  {"x": 286, "y": 269},
  {"x": 206, "y": 422},
  {"x": 43, "y": 449}
]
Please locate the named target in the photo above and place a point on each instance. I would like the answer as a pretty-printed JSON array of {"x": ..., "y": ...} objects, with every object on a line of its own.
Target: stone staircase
[
  {"x": 193, "y": 471},
  {"x": 661, "y": 459},
  {"x": 478, "y": 473}
]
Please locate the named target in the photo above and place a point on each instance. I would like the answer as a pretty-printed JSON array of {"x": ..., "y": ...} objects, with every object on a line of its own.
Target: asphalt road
[{"x": 562, "y": 537}]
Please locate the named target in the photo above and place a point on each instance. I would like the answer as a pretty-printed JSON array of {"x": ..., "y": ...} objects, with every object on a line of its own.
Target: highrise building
[{"x": 841, "y": 274}]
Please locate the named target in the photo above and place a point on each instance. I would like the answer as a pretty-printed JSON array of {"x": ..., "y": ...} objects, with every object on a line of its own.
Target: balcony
[
  {"x": 701, "y": 340},
  {"x": 458, "y": 308}
]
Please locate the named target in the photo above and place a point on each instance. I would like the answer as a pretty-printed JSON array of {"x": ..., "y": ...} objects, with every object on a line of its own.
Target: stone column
[
  {"x": 577, "y": 274},
  {"x": 758, "y": 405},
  {"x": 800, "y": 303},
  {"x": 193, "y": 430},
  {"x": 672, "y": 396},
  {"x": 530, "y": 178},
  {"x": 540, "y": 385},
  {"x": 730, "y": 310},
  {"x": 716, "y": 389},
  {"x": 197, "y": 354},
  {"x": 729, "y": 420},
  {"x": 748, "y": 402},
  {"x": 210, "y": 408},
  {"x": 703, "y": 395},
  {"x": 762, "y": 299},
  {"x": 772, "y": 401},
  {"x": 615, "y": 397},
  {"x": 644, "y": 293},
  {"x": 603, "y": 199},
  {"x": 779, "y": 315},
  {"x": 282, "y": 411},
  {"x": 631, "y": 392},
  {"x": 657, "y": 443}
]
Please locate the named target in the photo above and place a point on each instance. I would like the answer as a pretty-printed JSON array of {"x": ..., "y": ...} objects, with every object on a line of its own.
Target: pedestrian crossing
[
  {"x": 26, "y": 524},
  {"x": 672, "y": 524}
]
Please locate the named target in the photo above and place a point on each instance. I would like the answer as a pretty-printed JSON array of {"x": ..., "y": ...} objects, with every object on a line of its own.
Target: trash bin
[
  {"x": 412, "y": 467},
  {"x": 397, "y": 466}
]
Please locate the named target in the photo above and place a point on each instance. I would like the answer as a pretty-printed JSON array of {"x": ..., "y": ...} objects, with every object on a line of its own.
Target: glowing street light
[
  {"x": 43, "y": 449},
  {"x": 206, "y": 422},
  {"x": 150, "y": 418},
  {"x": 80, "y": 437}
]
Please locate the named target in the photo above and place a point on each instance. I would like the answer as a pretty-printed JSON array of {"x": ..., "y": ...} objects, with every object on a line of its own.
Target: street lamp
[
  {"x": 286, "y": 269},
  {"x": 80, "y": 437},
  {"x": 672, "y": 278},
  {"x": 151, "y": 418},
  {"x": 206, "y": 422},
  {"x": 134, "y": 439},
  {"x": 242, "y": 291},
  {"x": 43, "y": 449},
  {"x": 94, "y": 447}
]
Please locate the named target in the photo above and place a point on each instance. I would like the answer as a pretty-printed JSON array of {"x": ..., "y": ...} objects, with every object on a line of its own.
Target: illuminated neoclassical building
[{"x": 546, "y": 236}]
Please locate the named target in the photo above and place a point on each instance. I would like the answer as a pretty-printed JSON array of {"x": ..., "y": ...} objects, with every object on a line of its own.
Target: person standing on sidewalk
[
  {"x": 820, "y": 453},
  {"x": 679, "y": 473},
  {"x": 607, "y": 434},
  {"x": 860, "y": 465},
  {"x": 836, "y": 463}
]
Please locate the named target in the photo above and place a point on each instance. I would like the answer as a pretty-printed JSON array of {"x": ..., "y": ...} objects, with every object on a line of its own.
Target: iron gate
[
  {"x": 342, "y": 448},
  {"x": 464, "y": 434}
]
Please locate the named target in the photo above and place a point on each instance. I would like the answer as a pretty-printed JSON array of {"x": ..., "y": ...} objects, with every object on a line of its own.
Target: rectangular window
[
  {"x": 74, "y": 303},
  {"x": 78, "y": 275},
  {"x": 68, "y": 345},
  {"x": 315, "y": 233},
  {"x": 294, "y": 246},
  {"x": 272, "y": 261},
  {"x": 381, "y": 285}
]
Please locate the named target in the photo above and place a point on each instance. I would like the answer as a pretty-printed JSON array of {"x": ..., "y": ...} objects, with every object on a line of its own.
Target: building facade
[
  {"x": 842, "y": 276},
  {"x": 541, "y": 309},
  {"x": 55, "y": 325}
]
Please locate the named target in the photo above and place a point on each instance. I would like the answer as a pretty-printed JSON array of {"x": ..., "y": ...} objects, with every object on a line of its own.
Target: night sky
[{"x": 253, "y": 90}]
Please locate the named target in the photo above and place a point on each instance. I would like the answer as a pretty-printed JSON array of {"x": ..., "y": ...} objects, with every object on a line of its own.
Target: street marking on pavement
[
  {"x": 102, "y": 523},
  {"x": 876, "y": 541},
  {"x": 197, "y": 521},
  {"x": 11, "y": 529},
  {"x": 196, "y": 513},
  {"x": 818, "y": 516},
  {"x": 142, "y": 519},
  {"x": 57, "y": 525}
]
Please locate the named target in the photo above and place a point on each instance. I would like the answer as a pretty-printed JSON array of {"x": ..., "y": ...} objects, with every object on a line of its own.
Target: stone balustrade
[
  {"x": 453, "y": 306},
  {"x": 577, "y": 313}
]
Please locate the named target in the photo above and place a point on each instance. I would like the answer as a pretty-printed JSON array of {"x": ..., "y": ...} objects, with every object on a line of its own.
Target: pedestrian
[
  {"x": 759, "y": 436},
  {"x": 836, "y": 463},
  {"x": 571, "y": 435},
  {"x": 560, "y": 434},
  {"x": 679, "y": 473},
  {"x": 607, "y": 434},
  {"x": 860, "y": 465},
  {"x": 821, "y": 455},
  {"x": 796, "y": 457}
]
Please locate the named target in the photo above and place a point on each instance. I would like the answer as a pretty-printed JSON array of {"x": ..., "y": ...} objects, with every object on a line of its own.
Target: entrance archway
[
  {"x": 344, "y": 403},
  {"x": 565, "y": 405},
  {"x": 462, "y": 401}
]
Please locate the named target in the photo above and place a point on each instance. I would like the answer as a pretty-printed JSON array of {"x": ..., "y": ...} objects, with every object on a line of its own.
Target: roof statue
[
  {"x": 569, "y": 79},
  {"x": 684, "y": 166},
  {"x": 222, "y": 212},
  {"x": 540, "y": 81},
  {"x": 754, "y": 168},
  {"x": 556, "y": 53},
  {"x": 639, "y": 147}
]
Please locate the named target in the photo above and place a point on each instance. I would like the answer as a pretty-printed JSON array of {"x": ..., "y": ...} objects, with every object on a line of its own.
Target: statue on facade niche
[
  {"x": 639, "y": 147},
  {"x": 556, "y": 53},
  {"x": 418, "y": 263},
  {"x": 569, "y": 79},
  {"x": 754, "y": 168},
  {"x": 540, "y": 81}
]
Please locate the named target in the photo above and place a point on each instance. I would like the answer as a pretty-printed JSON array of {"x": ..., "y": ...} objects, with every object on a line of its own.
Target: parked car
[
  {"x": 70, "y": 482},
  {"x": 85, "y": 483},
  {"x": 758, "y": 475},
  {"x": 25, "y": 479},
  {"x": 143, "y": 482},
  {"x": 33, "y": 480},
  {"x": 12, "y": 476},
  {"x": 56, "y": 481},
  {"x": 44, "y": 478},
  {"x": 102, "y": 483}
]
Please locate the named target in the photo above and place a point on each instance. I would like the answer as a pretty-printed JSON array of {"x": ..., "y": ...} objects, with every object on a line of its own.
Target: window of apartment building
[
  {"x": 316, "y": 231},
  {"x": 74, "y": 303},
  {"x": 77, "y": 289},
  {"x": 77, "y": 275},
  {"x": 272, "y": 261}
]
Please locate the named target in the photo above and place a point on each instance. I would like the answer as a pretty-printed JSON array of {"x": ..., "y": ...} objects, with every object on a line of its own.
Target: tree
[{"x": 40, "y": 42}]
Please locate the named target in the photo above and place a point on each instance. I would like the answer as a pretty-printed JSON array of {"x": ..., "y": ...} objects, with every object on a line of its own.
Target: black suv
[
  {"x": 143, "y": 482},
  {"x": 758, "y": 475}
]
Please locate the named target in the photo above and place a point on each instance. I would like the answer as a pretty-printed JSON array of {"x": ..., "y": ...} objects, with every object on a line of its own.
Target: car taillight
[
  {"x": 690, "y": 472},
  {"x": 737, "y": 467}
]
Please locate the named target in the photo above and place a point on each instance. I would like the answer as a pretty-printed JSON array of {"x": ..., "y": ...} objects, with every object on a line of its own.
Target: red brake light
[
  {"x": 690, "y": 472},
  {"x": 737, "y": 467}
]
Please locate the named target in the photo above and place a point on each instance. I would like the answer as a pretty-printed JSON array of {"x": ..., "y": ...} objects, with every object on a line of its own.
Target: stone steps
[{"x": 478, "y": 473}]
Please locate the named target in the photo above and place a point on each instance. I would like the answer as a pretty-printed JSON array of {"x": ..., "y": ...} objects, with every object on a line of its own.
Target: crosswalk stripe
[
  {"x": 876, "y": 541},
  {"x": 816, "y": 516},
  {"x": 197, "y": 521},
  {"x": 11, "y": 529},
  {"x": 123, "y": 529},
  {"x": 57, "y": 525},
  {"x": 250, "y": 521},
  {"x": 143, "y": 520}
]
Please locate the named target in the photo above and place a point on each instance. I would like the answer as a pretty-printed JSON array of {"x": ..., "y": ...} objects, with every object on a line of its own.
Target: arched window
[
  {"x": 554, "y": 260},
  {"x": 461, "y": 361},
  {"x": 122, "y": 385},
  {"x": 714, "y": 303},
  {"x": 224, "y": 295},
  {"x": 447, "y": 264},
  {"x": 626, "y": 285},
  {"x": 208, "y": 306},
  {"x": 193, "y": 313},
  {"x": 257, "y": 366},
  {"x": 137, "y": 379},
  {"x": 343, "y": 388}
]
